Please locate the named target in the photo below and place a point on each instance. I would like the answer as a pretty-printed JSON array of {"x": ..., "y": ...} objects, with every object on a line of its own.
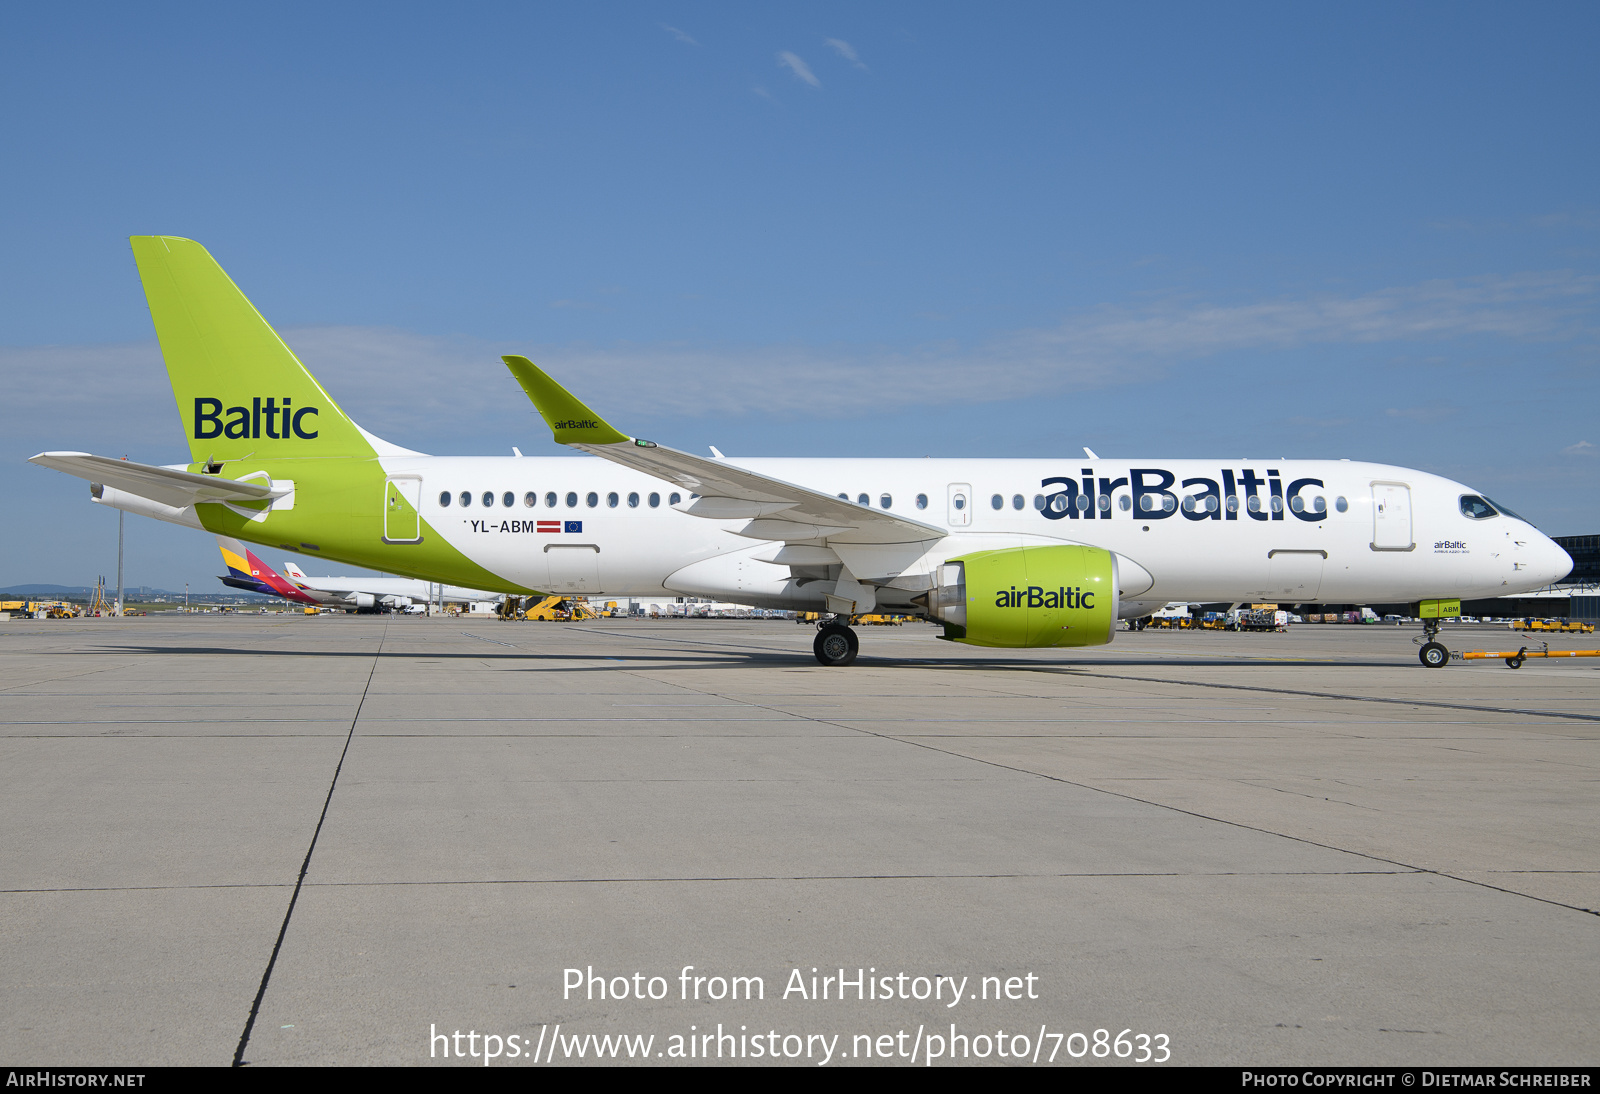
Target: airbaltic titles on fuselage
[{"x": 1204, "y": 498}]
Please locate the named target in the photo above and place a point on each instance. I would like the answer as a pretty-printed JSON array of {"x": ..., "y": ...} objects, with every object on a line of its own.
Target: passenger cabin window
[
  {"x": 530, "y": 499},
  {"x": 1475, "y": 508},
  {"x": 572, "y": 499},
  {"x": 655, "y": 499},
  {"x": 508, "y": 499},
  {"x": 885, "y": 501},
  {"x": 444, "y": 500},
  {"x": 488, "y": 499},
  {"x": 550, "y": 500},
  {"x": 922, "y": 501},
  {"x": 674, "y": 498},
  {"x": 611, "y": 500},
  {"x": 1338, "y": 503},
  {"x": 997, "y": 502},
  {"x": 633, "y": 500},
  {"x": 862, "y": 499},
  {"x": 1038, "y": 502},
  {"x": 592, "y": 499},
  {"x": 466, "y": 498},
  {"x": 1017, "y": 501},
  {"x": 1124, "y": 503}
]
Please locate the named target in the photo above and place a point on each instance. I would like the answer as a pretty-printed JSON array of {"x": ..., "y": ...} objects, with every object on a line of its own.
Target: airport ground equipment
[
  {"x": 1515, "y": 660},
  {"x": 1260, "y": 620},
  {"x": 559, "y": 609},
  {"x": 1571, "y": 625}
]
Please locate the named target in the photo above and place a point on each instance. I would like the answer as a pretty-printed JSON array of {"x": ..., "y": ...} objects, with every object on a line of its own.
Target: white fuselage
[{"x": 1289, "y": 530}]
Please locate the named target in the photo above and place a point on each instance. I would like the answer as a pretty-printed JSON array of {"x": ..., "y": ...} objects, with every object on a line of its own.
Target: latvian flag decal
[{"x": 546, "y": 526}]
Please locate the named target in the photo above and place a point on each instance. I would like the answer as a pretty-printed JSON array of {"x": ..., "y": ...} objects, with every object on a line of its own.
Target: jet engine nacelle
[
  {"x": 363, "y": 600},
  {"x": 1028, "y": 597},
  {"x": 395, "y": 602}
]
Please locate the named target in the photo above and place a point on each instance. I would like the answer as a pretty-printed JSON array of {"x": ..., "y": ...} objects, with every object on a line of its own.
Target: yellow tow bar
[{"x": 1515, "y": 659}]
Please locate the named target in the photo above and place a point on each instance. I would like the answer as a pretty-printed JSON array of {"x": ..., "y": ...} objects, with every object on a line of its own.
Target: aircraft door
[
  {"x": 1293, "y": 577},
  {"x": 1391, "y": 517},
  {"x": 960, "y": 505},
  {"x": 402, "y": 505},
  {"x": 574, "y": 567}
]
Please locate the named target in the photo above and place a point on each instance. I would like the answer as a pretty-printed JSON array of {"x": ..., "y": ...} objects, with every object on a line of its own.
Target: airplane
[
  {"x": 247, "y": 571},
  {"x": 1008, "y": 553}
]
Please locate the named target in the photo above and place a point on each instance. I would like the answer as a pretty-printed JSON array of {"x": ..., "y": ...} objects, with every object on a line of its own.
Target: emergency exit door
[{"x": 960, "y": 510}]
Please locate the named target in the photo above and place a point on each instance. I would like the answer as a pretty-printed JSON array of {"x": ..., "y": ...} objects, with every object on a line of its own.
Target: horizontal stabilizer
[{"x": 178, "y": 489}]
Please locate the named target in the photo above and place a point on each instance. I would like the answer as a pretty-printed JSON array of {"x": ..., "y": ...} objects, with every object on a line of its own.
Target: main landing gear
[
  {"x": 1433, "y": 654},
  {"x": 836, "y": 644}
]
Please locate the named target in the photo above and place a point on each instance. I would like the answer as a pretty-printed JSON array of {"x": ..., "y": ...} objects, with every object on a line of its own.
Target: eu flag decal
[{"x": 574, "y": 525}]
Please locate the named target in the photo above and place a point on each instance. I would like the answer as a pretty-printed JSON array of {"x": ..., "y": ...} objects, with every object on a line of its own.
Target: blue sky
[{"x": 891, "y": 229}]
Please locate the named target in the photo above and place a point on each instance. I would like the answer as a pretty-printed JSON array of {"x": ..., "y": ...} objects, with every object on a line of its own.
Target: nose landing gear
[
  {"x": 836, "y": 644},
  {"x": 1433, "y": 653}
]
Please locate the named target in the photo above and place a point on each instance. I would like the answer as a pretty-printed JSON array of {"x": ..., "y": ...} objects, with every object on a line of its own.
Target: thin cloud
[
  {"x": 845, "y": 50},
  {"x": 795, "y": 65},
  {"x": 679, "y": 35},
  {"x": 413, "y": 387}
]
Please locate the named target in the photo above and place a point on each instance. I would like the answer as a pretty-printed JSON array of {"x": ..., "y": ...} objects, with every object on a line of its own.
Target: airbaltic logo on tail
[
  {"x": 1036, "y": 597},
  {"x": 246, "y": 422},
  {"x": 577, "y": 423}
]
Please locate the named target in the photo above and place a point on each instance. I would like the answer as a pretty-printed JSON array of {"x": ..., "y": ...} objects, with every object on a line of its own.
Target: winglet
[{"x": 567, "y": 417}]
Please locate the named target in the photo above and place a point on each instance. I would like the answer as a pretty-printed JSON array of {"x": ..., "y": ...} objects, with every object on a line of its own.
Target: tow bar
[{"x": 1515, "y": 660}]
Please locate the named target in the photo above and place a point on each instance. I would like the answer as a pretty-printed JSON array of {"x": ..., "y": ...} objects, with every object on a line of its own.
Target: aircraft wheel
[
  {"x": 1434, "y": 655},
  {"x": 1513, "y": 662},
  {"x": 836, "y": 645}
]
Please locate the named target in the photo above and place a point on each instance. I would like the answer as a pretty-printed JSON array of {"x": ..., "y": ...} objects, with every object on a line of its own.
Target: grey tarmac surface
[{"x": 1288, "y": 849}]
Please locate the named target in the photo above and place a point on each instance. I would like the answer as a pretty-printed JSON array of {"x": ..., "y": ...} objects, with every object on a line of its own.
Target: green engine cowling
[{"x": 1021, "y": 597}]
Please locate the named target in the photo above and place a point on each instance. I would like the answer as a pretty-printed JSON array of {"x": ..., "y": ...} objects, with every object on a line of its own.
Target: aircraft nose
[{"x": 1556, "y": 562}]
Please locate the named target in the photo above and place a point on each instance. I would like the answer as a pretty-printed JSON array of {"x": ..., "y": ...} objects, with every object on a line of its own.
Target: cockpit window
[
  {"x": 1475, "y": 508},
  {"x": 1507, "y": 512}
]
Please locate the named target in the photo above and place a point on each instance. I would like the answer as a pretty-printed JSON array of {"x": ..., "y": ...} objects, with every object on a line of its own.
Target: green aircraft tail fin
[{"x": 240, "y": 390}]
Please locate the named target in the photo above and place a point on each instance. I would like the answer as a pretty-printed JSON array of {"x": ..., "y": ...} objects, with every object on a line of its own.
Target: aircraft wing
[
  {"x": 776, "y": 510},
  {"x": 178, "y": 489}
]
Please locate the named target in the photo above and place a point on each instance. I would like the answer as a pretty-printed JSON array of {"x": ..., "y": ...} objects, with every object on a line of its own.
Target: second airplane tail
[{"x": 246, "y": 571}]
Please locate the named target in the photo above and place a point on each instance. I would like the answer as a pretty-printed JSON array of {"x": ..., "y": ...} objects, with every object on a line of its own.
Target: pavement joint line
[
  {"x": 1189, "y": 812},
  {"x": 727, "y": 878},
  {"x": 1433, "y": 703},
  {"x": 300, "y": 880}
]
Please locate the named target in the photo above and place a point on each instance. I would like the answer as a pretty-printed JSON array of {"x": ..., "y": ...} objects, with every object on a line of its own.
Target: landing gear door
[
  {"x": 1391, "y": 517},
  {"x": 402, "y": 505},
  {"x": 960, "y": 504}
]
